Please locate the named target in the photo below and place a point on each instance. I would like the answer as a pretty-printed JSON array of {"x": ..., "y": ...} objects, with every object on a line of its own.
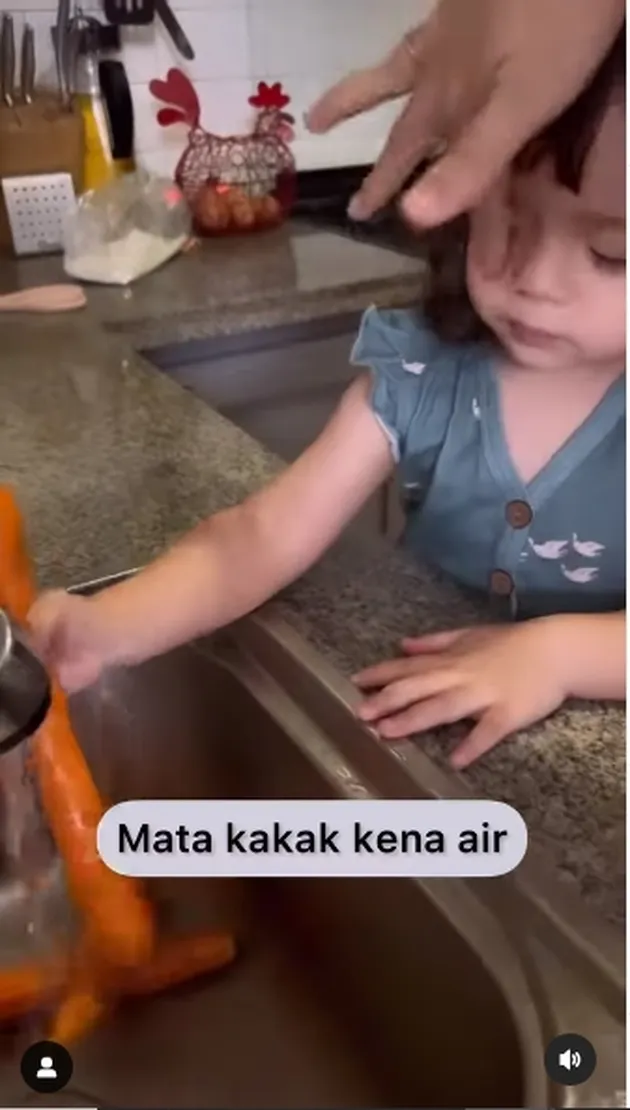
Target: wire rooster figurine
[{"x": 233, "y": 182}]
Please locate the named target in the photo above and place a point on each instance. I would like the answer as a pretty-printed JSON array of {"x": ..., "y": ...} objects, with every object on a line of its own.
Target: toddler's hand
[
  {"x": 66, "y": 633},
  {"x": 505, "y": 677}
]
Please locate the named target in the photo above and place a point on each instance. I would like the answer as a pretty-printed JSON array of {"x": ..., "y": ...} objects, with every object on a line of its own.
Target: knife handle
[
  {"x": 60, "y": 33},
  {"x": 8, "y": 59},
  {"x": 174, "y": 29},
  {"x": 27, "y": 66}
]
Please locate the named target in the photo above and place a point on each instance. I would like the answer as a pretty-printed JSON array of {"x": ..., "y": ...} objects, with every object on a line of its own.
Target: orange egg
[
  {"x": 270, "y": 210},
  {"x": 236, "y": 196},
  {"x": 211, "y": 210},
  {"x": 243, "y": 214}
]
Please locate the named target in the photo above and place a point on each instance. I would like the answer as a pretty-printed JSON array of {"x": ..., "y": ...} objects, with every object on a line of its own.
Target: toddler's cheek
[
  {"x": 484, "y": 292},
  {"x": 490, "y": 230}
]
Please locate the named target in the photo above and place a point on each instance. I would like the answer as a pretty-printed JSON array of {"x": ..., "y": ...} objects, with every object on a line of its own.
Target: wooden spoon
[{"x": 44, "y": 298}]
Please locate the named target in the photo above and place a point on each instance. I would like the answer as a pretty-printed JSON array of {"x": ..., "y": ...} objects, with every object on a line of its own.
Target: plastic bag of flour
[{"x": 125, "y": 229}]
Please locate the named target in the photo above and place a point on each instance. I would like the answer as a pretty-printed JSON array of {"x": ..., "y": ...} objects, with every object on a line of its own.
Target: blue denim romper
[{"x": 555, "y": 544}]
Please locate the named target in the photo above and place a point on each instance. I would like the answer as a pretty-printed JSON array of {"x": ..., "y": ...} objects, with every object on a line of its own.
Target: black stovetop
[{"x": 322, "y": 201}]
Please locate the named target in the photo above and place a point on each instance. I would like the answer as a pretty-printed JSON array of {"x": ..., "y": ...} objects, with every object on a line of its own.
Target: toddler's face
[{"x": 560, "y": 301}]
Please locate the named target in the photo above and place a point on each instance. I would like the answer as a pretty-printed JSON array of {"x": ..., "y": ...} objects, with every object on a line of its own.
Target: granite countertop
[
  {"x": 112, "y": 460},
  {"x": 241, "y": 284}
]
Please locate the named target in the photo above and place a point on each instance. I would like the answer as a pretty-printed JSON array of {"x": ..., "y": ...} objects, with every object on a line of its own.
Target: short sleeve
[{"x": 414, "y": 377}]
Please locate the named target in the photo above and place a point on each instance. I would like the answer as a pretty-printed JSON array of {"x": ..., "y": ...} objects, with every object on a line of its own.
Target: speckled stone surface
[
  {"x": 234, "y": 285},
  {"x": 112, "y": 461}
]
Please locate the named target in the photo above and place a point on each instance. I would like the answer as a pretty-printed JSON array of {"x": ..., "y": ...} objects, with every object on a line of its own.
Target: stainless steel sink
[{"x": 346, "y": 993}]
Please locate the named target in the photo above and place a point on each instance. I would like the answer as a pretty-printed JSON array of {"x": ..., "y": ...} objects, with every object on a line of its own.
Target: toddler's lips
[{"x": 530, "y": 337}]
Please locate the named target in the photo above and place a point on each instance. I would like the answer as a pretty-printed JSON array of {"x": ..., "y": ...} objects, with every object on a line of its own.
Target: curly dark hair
[{"x": 566, "y": 143}]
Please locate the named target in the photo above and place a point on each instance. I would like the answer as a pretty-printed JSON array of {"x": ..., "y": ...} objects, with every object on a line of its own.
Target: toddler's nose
[{"x": 540, "y": 267}]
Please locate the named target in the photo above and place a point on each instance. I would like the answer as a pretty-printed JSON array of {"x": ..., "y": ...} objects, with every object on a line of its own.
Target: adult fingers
[
  {"x": 356, "y": 93},
  {"x": 473, "y": 161},
  {"x": 366, "y": 88},
  {"x": 413, "y": 137}
]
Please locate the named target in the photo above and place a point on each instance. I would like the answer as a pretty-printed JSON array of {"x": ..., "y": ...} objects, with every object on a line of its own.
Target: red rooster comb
[
  {"x": 269, "y": 96},
  {"x": 178, "y": 92}
]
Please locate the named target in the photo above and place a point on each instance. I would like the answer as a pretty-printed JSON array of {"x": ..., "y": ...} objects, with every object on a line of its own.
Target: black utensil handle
[
  {"x": 119, "y": 104},
  {"x": 37, "y": 711},
  {"x": 27, "y": 65},
  {"x": 174, "y": 28}
]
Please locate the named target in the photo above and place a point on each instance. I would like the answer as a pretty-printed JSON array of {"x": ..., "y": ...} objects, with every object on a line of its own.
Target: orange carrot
[
  {"x": 17, "y": 589},
  {"x": 82, "y": 1003},
  {"x": 92, "y": 989},
  {"x": 26, "y": 987},
  {"x": 78, "y": 1015},
  {"x": 178, "y": 960},
  {"x": 118, "y": 916}
]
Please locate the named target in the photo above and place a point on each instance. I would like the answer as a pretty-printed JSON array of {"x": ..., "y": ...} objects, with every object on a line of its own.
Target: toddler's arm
[
  {"x": 231, "y": 563},
  {"x": 593, "y": 655}
]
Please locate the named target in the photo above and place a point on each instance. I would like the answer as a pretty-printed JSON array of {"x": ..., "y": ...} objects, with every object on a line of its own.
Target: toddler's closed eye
[{"x": 607, "y": 262}]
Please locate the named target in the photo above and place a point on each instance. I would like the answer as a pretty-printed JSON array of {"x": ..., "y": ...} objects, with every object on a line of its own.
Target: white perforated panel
[{"x": 37, "y": 207}]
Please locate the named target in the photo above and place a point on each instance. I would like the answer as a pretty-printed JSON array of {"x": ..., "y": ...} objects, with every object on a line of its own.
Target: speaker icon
[{"x": 569, "y": 1059}]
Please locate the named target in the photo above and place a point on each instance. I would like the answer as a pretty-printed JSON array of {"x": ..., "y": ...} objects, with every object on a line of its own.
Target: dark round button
[
  {"x": 570, "y": 1060},
  {"x": 518, "y": 514},
  {"x": 501, "y": 583},
  {"x": 46, "y": 1067}
]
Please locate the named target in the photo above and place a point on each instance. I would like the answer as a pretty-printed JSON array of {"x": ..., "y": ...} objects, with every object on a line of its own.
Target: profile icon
[{"x": 46, "y": 1067}]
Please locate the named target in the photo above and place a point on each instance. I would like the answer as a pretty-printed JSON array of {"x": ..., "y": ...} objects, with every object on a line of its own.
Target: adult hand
[
  {"x": 484, "y": 76},
  {"x": 505, "y": 677}
]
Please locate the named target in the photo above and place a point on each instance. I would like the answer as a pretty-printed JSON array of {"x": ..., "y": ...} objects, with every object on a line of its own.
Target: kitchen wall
[{"x": 306, "y": 44}]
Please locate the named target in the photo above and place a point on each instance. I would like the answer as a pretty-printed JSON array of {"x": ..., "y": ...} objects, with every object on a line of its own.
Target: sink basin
[{"x": 346, "y": 993}]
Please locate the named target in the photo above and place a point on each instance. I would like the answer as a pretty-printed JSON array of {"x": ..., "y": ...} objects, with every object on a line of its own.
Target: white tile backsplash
[
  {"x": 306, "y": 44},
  {"x": 220, "y": 39}
]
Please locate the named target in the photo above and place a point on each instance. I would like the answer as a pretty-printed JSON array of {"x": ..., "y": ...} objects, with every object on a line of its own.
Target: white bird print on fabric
[
  {"x": 588, "y": 548},
  {"x": 476, "y": 409},
  {"x": 551, "y": 549},
  {"x": 580, "y": 574},
  {"x": 414, "y": 367}
]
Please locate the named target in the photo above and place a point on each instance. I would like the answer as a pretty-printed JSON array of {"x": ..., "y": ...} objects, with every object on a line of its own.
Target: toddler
[{"x": 502, "y": 404}]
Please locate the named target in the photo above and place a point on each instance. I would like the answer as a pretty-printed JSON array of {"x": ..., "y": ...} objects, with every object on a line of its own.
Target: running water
[{"x": 29, "y": 876}]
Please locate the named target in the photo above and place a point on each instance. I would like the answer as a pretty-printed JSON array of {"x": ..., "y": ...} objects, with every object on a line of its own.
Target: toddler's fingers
[
  {"x": 443, "y": 709},
  {"x": 74, "y": 677},
  {"x": 404, "y": 693},
  {"x": 381, "y": 674},
  {"x": 432, "y": 642},
  {"x": 44, "y": 621},
  {"x": 492, "y": 727}
]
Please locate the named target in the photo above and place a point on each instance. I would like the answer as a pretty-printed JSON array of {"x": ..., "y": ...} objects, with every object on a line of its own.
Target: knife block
[{"x": 41, "y": 137}]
